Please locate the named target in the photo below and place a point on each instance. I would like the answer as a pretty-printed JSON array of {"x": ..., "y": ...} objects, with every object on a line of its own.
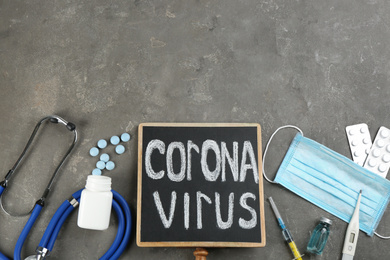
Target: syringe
[{"x": 286, "y": 233}]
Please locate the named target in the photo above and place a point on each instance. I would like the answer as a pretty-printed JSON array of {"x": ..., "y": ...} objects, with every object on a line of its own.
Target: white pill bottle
[{"x": 95, "y": 203}]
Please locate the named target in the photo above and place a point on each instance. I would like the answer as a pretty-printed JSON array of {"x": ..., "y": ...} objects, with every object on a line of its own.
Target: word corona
[{"x": 221, "y": 154}]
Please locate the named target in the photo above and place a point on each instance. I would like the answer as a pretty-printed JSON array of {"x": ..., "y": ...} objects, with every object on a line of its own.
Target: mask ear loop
[
  {"x": 380, "y": 236},
  {"x": 268, "y": 143}
]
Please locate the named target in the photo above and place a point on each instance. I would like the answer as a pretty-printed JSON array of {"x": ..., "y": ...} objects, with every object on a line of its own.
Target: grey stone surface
[{"x": 108, "y": 66}]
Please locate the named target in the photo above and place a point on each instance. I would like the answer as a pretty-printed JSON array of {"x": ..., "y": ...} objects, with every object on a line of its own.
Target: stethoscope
[{"x": 47, "y": 242}]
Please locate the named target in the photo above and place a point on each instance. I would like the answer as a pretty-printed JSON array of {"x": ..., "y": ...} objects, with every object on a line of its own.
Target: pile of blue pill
[{"x": 104, "y": 162}]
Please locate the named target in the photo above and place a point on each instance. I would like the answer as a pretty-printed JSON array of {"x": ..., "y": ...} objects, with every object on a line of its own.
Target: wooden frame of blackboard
[{"x": 200, "y": 243}]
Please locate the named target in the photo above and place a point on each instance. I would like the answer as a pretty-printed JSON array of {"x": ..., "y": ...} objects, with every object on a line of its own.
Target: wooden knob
[{"x": 200, "y": 254}]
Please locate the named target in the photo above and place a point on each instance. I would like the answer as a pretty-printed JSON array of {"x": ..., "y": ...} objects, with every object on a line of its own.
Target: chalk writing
[
  {"x": 222, "y": 224},
  {"x": 166, "y": 222},
  {"x": 200, "y": 196},
  {"x": 248, "y": 224},
  {"x": 207, "y": 147}
]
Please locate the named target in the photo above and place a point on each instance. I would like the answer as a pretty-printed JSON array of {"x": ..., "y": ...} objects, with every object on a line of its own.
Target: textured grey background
[{"x": 109, "y": 65}]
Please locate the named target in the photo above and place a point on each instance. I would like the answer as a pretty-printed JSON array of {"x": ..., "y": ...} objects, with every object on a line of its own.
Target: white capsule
[
  {"x": 358, "y": 153},
  {"x": 382, "y": 168},
  {"x": 372, "y": 162},
  {"x": 376, "y": 153},
  {"x": 380, "y": 143},
  {"x": 366, "y": 140},
  {"x": 384, "y": 133},
  {"x": 386, "y": 158}
]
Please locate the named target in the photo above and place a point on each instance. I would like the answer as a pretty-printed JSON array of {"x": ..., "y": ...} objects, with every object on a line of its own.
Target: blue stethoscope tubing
[
  {"x": 119, "y": 204},
  {"x": 19, "y": 244},
  {"x": 121, "y": 240}
]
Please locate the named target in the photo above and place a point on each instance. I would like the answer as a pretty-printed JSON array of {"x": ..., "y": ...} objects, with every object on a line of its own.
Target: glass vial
[
  {"x": 95, "y": 203},
  {"x": 319, "y": 237}
]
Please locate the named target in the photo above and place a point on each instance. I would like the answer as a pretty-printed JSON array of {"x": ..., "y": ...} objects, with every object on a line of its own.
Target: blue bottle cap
[
  {"x": 125, "y": 137},
  {"x": 100, "y": 165},
  {"x": 102, "y": 144},
  {"x": 110, "y": 165},
  {"x": 104, "y": 157},
  {"x": 96, "y": 171},
  {"x": 119, "y": 149},
  {"x": 114, "y": 140},
  {"x": 94, "y": 151}
]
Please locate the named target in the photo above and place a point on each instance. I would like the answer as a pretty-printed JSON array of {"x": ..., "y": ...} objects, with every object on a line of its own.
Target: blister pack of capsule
[
  {"x": 378, "y": 159},
  {"x": 359, "y": 142}
]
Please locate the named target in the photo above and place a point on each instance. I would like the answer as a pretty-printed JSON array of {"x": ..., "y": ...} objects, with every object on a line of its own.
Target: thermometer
[{"x": 352, "y": 234}]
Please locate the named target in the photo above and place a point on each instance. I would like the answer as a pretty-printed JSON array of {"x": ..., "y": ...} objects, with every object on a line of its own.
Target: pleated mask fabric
[{"x": 333, "y": 182}]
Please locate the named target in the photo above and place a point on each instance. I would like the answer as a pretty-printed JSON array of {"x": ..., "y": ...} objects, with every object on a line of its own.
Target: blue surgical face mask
[{"x": 332, "y": 182}]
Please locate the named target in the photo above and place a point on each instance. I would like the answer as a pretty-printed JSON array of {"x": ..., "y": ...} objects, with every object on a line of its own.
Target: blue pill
[
  {"x": 114, "y": 140},
  {"x": 119, "y": 149},
  {"x": 125, "y": 137},
  {"x": 97, "y": 172},
  {"x": 102, "y": 143},
  {"x": 110, "y": 165},
  {"x": 94, "y": 151},
  {"x": 104, "y": 157},
  {"x": 100, "y": 165}
]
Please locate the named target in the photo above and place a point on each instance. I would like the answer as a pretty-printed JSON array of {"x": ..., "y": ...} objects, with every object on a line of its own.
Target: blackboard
[{"x": 200, "y": 185}]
